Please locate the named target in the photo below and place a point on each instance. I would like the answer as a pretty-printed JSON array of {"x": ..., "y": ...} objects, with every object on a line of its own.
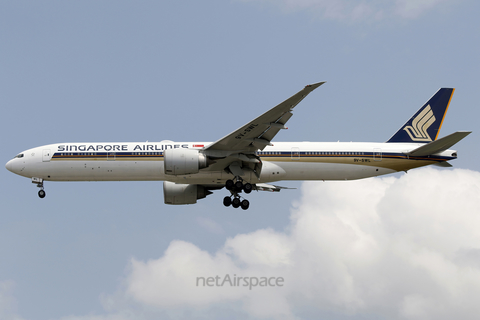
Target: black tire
[
  {"x": 227, "y": 201},
  {"x": 247, "y": 187},
  {"x": 239, "y": 185},
  {"x": 245, "y": 204},
  {"x": 42, "y": 194},
  {"x": 229, "y": 184},
  {"x": 236, "y": 202}
]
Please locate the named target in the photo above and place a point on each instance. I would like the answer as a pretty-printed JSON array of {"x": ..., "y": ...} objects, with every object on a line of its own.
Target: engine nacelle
[
  {"x": 183, "y": 161},
  {"x": 174, "y": 193}
]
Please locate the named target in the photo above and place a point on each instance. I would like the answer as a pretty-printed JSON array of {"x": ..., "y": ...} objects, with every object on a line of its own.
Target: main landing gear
[{"x": 235, "y": 188}]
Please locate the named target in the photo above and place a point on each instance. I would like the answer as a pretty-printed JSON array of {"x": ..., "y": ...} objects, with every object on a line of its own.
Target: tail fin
[{"x": 425, "y": 125}]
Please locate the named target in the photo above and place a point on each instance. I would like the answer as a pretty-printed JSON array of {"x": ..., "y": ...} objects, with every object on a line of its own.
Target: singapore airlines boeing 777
[{"x": 245, "y": 159}]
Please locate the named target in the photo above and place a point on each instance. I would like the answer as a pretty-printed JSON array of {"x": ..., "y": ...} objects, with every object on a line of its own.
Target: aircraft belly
[
  {"x": 102, "y": 171},
  {"x": 277, "y": 171},
  {"x": 330, "y": 171},
  {"x": 206, "y": 178}
]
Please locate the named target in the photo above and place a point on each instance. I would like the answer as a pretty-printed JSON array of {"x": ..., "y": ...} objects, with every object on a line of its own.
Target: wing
[{"x": 258, "y": 133}]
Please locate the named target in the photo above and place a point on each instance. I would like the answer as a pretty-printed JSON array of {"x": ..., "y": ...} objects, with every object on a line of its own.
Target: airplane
[{"x": 246, "y": 159}]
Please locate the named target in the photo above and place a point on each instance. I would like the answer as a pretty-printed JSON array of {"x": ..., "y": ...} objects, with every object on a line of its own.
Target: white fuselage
[{"x": 283, "y": 161}]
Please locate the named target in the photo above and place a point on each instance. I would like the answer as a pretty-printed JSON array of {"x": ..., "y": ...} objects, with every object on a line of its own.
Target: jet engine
[
  {"x": 183, "y": 161},
  {"x": 174, "y": 193}
]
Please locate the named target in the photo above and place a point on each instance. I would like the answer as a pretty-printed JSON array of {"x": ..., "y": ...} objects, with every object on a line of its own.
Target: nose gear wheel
[{"x": 39, "y": 182}]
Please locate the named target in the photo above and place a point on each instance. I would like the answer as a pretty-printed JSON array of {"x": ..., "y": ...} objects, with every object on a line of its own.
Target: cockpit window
[{"x": 19, "y": 155}]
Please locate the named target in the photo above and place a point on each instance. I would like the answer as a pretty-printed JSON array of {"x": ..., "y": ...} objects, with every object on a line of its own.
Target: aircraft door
[
  {"x": 46, "y": 155},
  {"x": 377, "y": 154},
  {"x": 295, "y": 153}
]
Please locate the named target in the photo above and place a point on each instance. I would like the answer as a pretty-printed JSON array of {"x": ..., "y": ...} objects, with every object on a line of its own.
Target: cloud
[
  {"x": 387, "y": 248},
  {"x": 210, "y": 225},
  {"x": 358, "y": 10},
  {"x": 414, "y": 8},
  {"x": 8, "y": 304},
  {"x": 400, "y": 248},
  {"x": 117, "y": 316}
]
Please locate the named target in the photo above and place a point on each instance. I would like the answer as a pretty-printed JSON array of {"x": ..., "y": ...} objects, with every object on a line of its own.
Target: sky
[{"x": 403, "y": 246}]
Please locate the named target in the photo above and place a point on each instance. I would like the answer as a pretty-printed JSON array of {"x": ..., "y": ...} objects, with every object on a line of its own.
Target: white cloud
[
  {"x": 358, "y": 10},
  {"x": 171, "y": 280},
  {"x": 396, "y": 248},
  {"x": 414, "y": 8},
  {"x": 8, "y": 304},
  {"x": 117, "y": 316},
  {"x": 210, "y": 225},
  {"x": 402, "y": 248}
]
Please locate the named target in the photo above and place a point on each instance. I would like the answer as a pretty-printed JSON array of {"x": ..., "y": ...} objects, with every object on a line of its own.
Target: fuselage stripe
[{"x": 294, "y": 156}]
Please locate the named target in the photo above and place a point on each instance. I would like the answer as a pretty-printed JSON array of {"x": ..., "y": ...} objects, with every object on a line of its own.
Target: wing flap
[
  {"x": 269, "y": 187},
  {"x": 274, "y": 127},
  {"x": 443, "y": 164}
]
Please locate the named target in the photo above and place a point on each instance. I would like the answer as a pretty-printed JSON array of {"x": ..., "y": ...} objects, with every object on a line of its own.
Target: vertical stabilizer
[{"x": 426, "y": 123}]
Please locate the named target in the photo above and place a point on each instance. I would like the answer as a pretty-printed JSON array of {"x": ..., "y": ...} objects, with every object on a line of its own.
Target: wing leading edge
[{"x": 258, "y": 133}]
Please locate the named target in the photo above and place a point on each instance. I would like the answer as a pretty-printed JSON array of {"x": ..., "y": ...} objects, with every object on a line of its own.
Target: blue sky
[{"x": 97, "y": 71}]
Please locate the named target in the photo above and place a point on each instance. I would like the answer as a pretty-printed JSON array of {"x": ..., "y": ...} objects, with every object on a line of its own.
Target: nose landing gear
[
  {"x": 39, "y": 182},
  {"x": 235, "y": 188}
]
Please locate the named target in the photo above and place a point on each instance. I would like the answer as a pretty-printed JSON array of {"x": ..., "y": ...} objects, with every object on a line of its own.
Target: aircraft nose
[{"x": 9, "y": 165}]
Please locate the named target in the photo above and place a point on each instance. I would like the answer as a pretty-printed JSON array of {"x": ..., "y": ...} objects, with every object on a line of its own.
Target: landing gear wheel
[
  {"x": 42, "y": 194},
  {"x": 236, "y": 202},
  {"x": 239, "y": 185},
  {"x": 247, "y": 187},
  {"x": 227, "y": 201},
  {"x": 229, "y": 184},
  {"x": 245, "y": 204}
]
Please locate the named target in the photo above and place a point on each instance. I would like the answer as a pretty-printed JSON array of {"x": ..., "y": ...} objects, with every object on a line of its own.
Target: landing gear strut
[
  {"x": 235, "y": 188},
  {"x": 39, "y": 182}
]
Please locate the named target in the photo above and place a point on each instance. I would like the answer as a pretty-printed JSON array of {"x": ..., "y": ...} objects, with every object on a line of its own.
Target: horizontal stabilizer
[
  {"x": 269, "y": 187},
  {"x": 439, "y": 145}
]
